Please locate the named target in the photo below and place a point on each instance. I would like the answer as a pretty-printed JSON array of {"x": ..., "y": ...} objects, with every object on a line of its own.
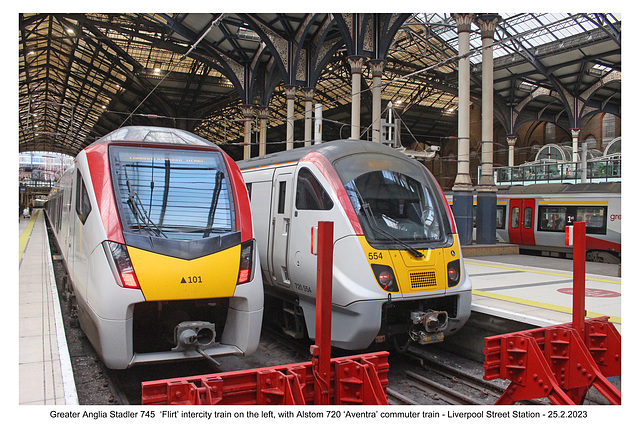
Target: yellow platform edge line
[
  {"x": 552, "y": 307},
  {"x": 24, "y": 236},
  {"x": 504, "y": 267}
]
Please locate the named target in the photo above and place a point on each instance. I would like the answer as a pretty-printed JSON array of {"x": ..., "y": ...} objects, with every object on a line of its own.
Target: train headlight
[
  {"x": 246, "y": 262},
  {"x": 121, "y": 266},
  {"x": 385, "y": 277},
  {"x": 453, "y": 272}
]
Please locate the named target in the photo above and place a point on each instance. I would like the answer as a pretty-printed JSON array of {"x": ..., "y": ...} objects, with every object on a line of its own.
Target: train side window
[
  {"x": 528, "y": 218},
  {"x": 249, "y": 190},
  {"x": 500, "y": 214},
  {"x": 515, "y": 217},
  {"x": 552, "y": 218},
  {"x": 83, "y": 205},
  {"x": 594, "y": 219},
  {"x": 310, "y": 195},
  {"x": 282, "y": 192}
]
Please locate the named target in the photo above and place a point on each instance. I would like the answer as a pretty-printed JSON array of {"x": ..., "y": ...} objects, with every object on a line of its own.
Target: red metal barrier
[
  {"x": 559, "y": 362},
  {"x": 351, "y": 380},
  {"x": 554, "y": 362}
]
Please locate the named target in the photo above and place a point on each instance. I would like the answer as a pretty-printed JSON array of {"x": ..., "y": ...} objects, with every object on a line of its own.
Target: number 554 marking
[{"x": 375, "y": 256}]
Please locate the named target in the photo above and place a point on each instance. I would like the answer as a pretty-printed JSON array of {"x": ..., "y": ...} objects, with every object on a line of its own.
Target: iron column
[
  {"x": 486, "y": 189},
  {"x": 462, "y": 187}
]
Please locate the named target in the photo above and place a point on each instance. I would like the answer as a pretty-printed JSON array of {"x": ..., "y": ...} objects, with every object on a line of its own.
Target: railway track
[{"x": 431, "y": 377}]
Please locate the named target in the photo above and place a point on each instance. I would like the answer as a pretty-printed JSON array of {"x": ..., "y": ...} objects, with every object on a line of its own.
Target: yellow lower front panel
[
  {"x": 415, "y": 274},
  {"x": 163, "y": 277},
  {"x": 424, "y": 274}
]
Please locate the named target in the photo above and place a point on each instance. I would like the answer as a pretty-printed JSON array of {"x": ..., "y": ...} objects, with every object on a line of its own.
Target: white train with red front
[
  {"x": 398, "y": 272},
  {"x": 155, "y": 228},
  {"x": 535, "y": 216}
]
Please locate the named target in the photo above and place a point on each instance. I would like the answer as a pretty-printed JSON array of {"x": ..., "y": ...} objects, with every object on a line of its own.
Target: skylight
[{"x": 517, "y": 30}]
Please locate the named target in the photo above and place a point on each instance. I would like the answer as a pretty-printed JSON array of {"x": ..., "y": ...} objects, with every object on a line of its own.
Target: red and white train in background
[
  {"x": 535, "y": 216},
  {"x": 155, "y": 228}
]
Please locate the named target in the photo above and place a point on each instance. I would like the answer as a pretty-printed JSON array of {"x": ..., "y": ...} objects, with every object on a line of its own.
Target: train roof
[
  {"x": 596, "y": 187},
  {"x": 155, "y": 135},
  {"x": 331, "y": 150}
]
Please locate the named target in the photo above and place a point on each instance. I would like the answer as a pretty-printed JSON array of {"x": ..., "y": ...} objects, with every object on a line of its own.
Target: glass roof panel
[{"x": 530, "y": 29}]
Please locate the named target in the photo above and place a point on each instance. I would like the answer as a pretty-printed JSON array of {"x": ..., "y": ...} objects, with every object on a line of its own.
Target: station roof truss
[{"x": 84, "y": 75}]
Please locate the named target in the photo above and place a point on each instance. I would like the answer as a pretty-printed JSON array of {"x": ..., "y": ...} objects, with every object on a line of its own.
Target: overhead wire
[{"x": 214, "y": 23}]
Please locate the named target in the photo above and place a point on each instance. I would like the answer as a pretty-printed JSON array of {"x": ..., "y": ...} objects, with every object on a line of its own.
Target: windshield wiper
[
  {"x": 214, "y": 203},
  {"x": 376, "y": 227},
  {"x": 371, "y": 219},
  {"x": 140, "y": 214}
]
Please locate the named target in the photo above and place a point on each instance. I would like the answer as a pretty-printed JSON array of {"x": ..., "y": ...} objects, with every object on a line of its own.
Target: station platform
[
  {"x": 538, "y": 290},
  {"x": 45, "y": 373}
]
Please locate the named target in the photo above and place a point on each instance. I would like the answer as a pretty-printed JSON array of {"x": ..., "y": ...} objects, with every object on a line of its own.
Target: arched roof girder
[
  {"x": 589, "y": 106},
  {"x": 369, "y": 34},
  {"x": 548, "y": 98},
  {"x": 560, "y": 92},
  {"x": 238, "y": 73}
]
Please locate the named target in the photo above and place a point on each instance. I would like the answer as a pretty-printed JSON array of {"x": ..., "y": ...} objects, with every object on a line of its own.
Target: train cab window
[
  {"x": 310, "y": 195},
  {"x": 594, "y": 219},
  {"x": 552, "y": 218},
  {"x": 249, "y": 185},
  {"x": 515, "y": 217},
  {"x": 83, "y": 205},
  {"x": 528, "y": 218},
  {"x": 172, "y": 193},
  {"x": 393, "y": 206}
]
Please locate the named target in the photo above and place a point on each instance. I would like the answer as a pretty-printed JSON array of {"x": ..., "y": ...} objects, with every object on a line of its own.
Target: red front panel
[
  {"x": 241, "y": 199},
  {"x": 98, "y": 160}
]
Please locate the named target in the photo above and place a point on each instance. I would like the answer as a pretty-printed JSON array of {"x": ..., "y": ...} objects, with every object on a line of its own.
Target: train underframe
[
  {"x": 424, "y": 321},
  {"x": 593, "y": 255},
  {"x": 159, "y": 325}
]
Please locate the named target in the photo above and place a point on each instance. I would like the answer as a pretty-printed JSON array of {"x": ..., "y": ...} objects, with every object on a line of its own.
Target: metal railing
[{"x": 602, "y": 169}]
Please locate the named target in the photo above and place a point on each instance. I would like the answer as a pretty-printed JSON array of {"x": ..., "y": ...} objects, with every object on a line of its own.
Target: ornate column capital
[
  {"x": 290, "y": 91},
  {"x": 575, "y": 132},
  {"x": 487, "y": 23},
  {"x": 463, "y": 20},
  {"x": 263, "y": 112},
  {"x": 511, "y": 140},
  {"x": 356, "y": 62},
  {"x": 247, "y": 110},
  {"x": 377, "y": 67},
  {"x": 308, "y": 93}
]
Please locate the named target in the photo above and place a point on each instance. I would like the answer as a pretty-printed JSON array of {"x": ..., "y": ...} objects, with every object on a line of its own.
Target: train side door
[
  {"x": 311, "y": 204},
  {"x": 522, "y": 221},
  {"x": 280, "y": 227}
]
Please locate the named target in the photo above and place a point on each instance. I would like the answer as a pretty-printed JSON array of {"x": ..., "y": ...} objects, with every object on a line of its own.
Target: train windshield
[
  {"x": 172, "y": 193},
  {"x": 394, "y": 202}
]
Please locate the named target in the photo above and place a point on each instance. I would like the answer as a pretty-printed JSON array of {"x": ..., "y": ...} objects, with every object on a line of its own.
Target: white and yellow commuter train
[{"x": 398, "y": 272}]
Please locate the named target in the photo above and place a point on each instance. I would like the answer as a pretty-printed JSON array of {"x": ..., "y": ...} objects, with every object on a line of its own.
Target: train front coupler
[
  {"x": 428, "y": 326},
  {"x": 196, "y": 335}
]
